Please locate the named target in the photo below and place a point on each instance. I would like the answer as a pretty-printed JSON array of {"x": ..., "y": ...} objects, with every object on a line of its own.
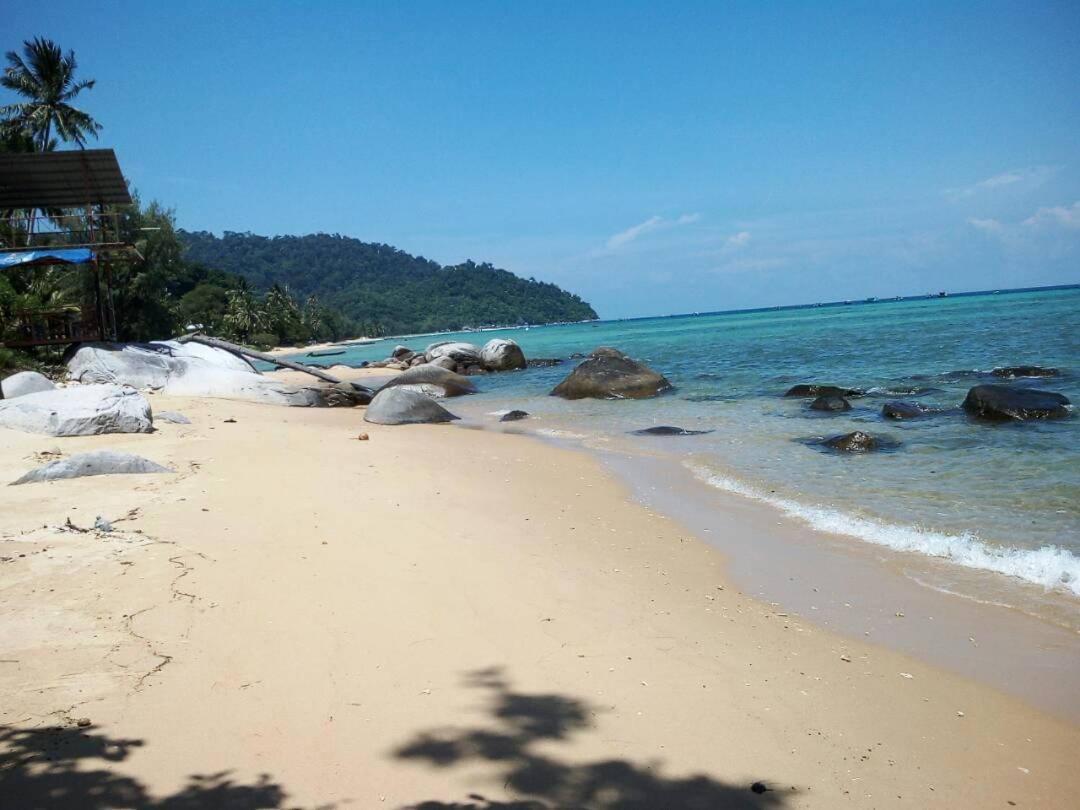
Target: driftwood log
[{"x": 244, "y": 351}]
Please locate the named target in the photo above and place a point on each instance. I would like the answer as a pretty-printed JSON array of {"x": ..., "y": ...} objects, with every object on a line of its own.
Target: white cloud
[
  {"x": 654, "y": 223},
  {"x": 1027, "y": 178},
  {"x": 988, "y": 225},
  {"x": 738, "y": 240},
  {"x": 1059, "y": 215}
]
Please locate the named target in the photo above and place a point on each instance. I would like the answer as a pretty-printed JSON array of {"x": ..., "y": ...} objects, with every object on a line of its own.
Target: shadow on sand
[
  {"x": 62, "y": 767},
  {"x": 522, "y": 721}
]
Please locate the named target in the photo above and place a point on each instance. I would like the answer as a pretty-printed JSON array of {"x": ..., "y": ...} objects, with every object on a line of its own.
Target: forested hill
[{"x": 381, "y": 287}]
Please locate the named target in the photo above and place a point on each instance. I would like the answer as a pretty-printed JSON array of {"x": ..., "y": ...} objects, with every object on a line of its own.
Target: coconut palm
[{"x": 45, "y": 77}]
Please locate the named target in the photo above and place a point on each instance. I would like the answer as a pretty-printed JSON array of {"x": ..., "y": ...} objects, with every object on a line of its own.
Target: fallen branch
[{"x": 244, "y": 351}]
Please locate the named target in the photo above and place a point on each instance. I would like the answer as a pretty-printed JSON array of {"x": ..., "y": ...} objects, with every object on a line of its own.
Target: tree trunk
[{"x": 243, "y": 351}]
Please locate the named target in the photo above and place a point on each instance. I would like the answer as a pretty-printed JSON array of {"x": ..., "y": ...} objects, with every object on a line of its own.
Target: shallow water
[{"x": 1000, "y": 498}]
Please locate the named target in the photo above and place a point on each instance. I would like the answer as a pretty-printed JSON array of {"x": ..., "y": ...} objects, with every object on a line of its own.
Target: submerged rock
[
  {"x": 902, "y": 410},
  {"x": 830, "y": 402},
  {"x": 1003, "y": 402},
  {"x": 815, "y": 390},
  {"x": 855, "y": 442},
  {"x": 400, "y": 406},
  {"x": 543, "y": 362},
  {"x": 434, "y": 380},
  {"x": 25, "y": 382},
  {"x": 97, "y": 462},
  {"x": 81, "y": 410},
  {"x": 500, "y": 354},
  {"x": 668, "y": 430},
  {"x": 609, "y": 374},
  {"x": 514, "y": 416},
  {"x": 1012, "y": 372}
]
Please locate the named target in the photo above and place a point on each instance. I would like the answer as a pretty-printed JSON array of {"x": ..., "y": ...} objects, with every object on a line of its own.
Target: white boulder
[
  {"x": 500, "y": 354},
  {"x": 25, "y": 382},
  {"x": 82, "y": 410}
]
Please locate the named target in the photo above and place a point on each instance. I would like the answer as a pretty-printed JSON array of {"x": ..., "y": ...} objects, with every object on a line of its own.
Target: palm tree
[{"x": 45, "y": 77}]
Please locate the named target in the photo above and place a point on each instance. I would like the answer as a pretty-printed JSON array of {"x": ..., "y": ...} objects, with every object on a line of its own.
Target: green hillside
[{"x": 382, "y": 288}]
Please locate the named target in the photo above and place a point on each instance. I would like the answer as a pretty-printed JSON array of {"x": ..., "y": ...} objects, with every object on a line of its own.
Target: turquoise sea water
[{"x": 1001, "y": 498}]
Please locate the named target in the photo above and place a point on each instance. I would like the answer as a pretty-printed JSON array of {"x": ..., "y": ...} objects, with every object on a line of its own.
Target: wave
[{"x": 1050, "y": 566}]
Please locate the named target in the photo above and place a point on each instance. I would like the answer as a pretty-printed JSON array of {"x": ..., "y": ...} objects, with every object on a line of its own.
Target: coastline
[{"x": 306, "y": 605}]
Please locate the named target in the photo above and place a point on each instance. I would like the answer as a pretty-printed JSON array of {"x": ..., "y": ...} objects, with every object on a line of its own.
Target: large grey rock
[
  {"x": 610, "y": 374},
  {"x": 433, "y": 380},
  {"x": 147, "y": 365},
  {"x": 1003, "y": 402},
  {"x": 81, "y": 410},
  {"x": 197, "y": 380},
  {"x": 400, "y": 406},
  {"x": 465, "y": 354},
  {"x": 97, "y": 462},
  {"x": 25, "y": 382},
  {"x": 500, "y": 354},
  {"x": 174, "y": 417}
]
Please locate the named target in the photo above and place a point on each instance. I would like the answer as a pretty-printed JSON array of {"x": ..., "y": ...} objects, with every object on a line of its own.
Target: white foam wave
[{"x": 1050, "y": 566}]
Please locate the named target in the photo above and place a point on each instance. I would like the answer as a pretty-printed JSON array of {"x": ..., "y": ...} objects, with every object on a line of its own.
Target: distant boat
[
  {"x": 871, "y": 300},
  {"x": 942, "y": 295},
  {"x": 326, "y": 353}
]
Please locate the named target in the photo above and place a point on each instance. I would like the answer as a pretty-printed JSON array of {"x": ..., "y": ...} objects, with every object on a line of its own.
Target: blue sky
[{"x": 653, "y": 157}]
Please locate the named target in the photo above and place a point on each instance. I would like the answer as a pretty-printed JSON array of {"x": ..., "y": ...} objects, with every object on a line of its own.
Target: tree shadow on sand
[
  {"x": 522, "y": 721},
  {"x": 62, "y": 767}
]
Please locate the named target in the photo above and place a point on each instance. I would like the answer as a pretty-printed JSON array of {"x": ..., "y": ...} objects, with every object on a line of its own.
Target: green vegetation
[{"x": 384, "y": 290}]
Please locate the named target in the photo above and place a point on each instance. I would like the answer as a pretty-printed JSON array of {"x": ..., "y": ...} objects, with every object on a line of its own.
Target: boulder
[
  {"x": 417, "y": 360},
  {"x": 400, "y": 406},
  {"x": 830, "y": 402},
  {"x": 1003, "y": 402},
  {"x": 465, "y": 354},
  {"x": 199, "y": 380},
  {"x": 856, "y": 442},
  {"x": 668, "y": 430},
  {"x": 444, "y": 362},
  {"x": 471, "y": 370},
  {"x": 815, "y": 390},
  {"x": 173, "y": 417},
  {"x": 147, "y": 365},
  {"x": 401, "y": 351},
  {"x": 80, "y": 410},
  {"x": 514, "y": 416},
  {"x": 500, "y": 354},
  {"x": 433, "y": 380},
  {"x": 25, "y": 382},
  {"x": 1012, "y": 372},
  {"x": 609, "y": 374},
  {"x": 902, "y": 410},
  {"x": 97, "y": 462},
  {"x": 345, "y": 395}
]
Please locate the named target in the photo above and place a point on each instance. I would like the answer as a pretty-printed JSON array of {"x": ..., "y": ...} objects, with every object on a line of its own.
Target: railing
[{"x": 43, "y": 327}]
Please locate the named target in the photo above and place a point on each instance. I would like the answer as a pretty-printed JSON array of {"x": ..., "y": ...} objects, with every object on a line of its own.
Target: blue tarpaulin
[{"x": 45, "y": 256}]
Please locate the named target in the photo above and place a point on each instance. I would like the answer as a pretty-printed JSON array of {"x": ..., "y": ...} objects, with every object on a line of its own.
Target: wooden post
[{"x": 243, "y": 351}]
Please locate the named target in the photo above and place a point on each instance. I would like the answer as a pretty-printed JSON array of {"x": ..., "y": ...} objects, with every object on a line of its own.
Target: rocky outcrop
[
  {"x": 1003, "y": 403},
  {"x": 514, "y": 416},
  {"x": 668, "y": 430},
  {"x": 147, "y": 365},
  {"x": 98, "y": 462},
  {"x": 856, "y": 442},
  {"x": 814, "y": 390},
  {"x": 197, "y": 380},
  {"x": 25, "y": 382},
  {"x": 400, "y": 406},
  {"x": 433, "y": 380},
  {"x": 81, "y": 410},
  {"x": 501, "y": 354},
  {"x": 609, "y": 374},
  {"x": 830, "y": 402},
  {"x": 464, "y": 354},
  {"x": 345, "y": 394},
  {"x": 902, "y": 410},
  {"x": 1012, "y": 372}
]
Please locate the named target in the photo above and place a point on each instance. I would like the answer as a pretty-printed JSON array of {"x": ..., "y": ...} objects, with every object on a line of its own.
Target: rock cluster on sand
[
  {"x": 25, "y": 382},
  {"x": 97, "y": 462},
  {"x": 82, "y": 410},
  {"x": 498, "y": 354},
  {"x": 433, "y": 380},
  {"x": 402, "y": 406},
  {"x": 1003, "y": 402},
  {"x": 609, "y": 374}
]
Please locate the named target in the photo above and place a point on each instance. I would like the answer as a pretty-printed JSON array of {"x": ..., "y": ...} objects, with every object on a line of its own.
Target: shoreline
[{"x": 306, "y": 605}]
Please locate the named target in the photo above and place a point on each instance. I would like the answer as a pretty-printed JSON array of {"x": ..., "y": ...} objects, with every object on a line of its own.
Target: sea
[{"x": 992, "y": 510}]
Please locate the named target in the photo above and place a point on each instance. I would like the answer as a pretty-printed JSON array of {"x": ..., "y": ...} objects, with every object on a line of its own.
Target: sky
[{"x": 654, "y": 158}]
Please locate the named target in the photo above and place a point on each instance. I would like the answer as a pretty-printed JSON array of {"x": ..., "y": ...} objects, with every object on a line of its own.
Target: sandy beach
[{"x": 441, "y": 617}]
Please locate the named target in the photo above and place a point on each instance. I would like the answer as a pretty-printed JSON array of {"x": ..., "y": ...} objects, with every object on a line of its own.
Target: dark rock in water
[
  {"x": 401, "y": 351},
  {"x": 668, "y": 430},
  {"x": 1003, "y": 402},
  {"x": 1012, "y": 372},
  {"x": 902, "y": 410},
  {"x": 814, "y": 390},
  {"x": 543, "y": 362},
  {"x": 97, "y": 462},
  {"x": 514, "y": 416},
  {"x": 856, "y": 442},
  {"x": 400, "y": 406},
  {"x": 830, "y": 402},
  {"x": 578, "y": 356},
  {"x": 609, "y": 374}
]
